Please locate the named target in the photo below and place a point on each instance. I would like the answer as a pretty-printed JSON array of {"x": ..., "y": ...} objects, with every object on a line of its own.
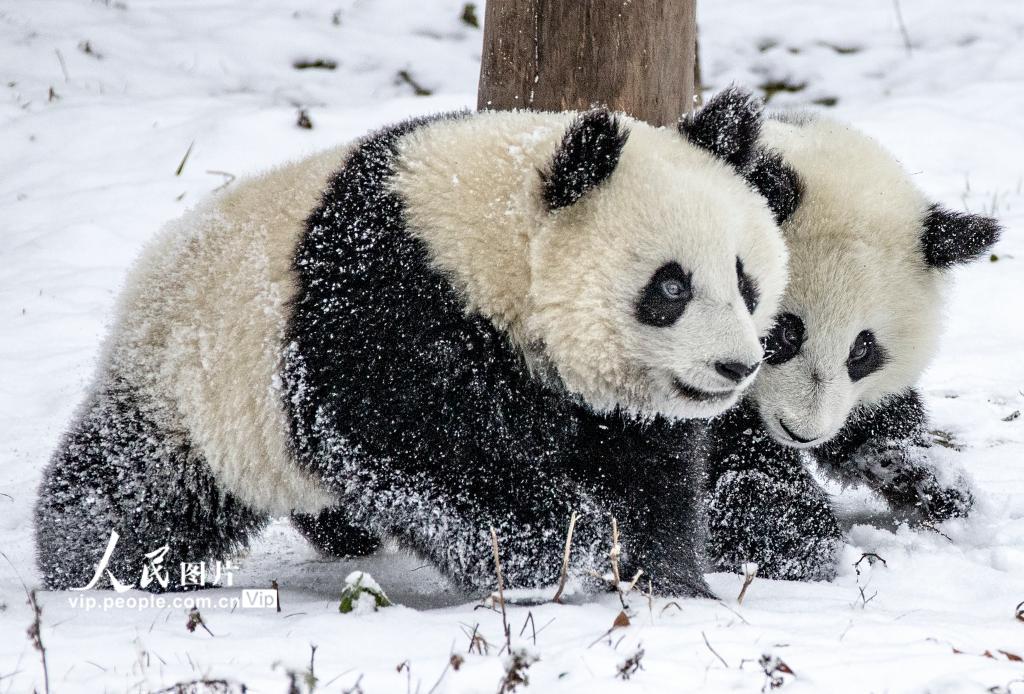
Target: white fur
[
  {"x": 855, "y": 264},
  {"x": 564, "y": 284},
  {"x": 201, "y": 325}
]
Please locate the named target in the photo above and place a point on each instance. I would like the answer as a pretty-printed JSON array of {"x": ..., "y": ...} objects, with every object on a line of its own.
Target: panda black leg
[
  {"x": 764, "y": 507},
  {"x": 118, "y": 471},
  {"x": 654, "y": 483},
  {"x": 886, "y": 448},
  {"x": 333, "y": 535},
  {"x": 447, "y": 520}
]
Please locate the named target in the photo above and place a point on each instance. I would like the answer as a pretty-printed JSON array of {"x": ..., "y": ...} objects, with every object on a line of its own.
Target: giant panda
[
  {"x": 870, "y": 259},
  {"x": 456, "y": 323}
]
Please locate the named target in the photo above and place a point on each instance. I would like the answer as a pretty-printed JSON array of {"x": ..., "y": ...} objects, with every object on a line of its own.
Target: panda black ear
[
  {"x": 952, "y": 237},
  {"x": 777, "y": 182},
  {"x": 587, "y": 156},
  {"x": 728, "y": 126}
]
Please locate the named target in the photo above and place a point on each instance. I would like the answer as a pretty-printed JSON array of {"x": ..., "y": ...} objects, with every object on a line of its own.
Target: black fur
[
  {"x": 332, "y": 534},
  {"x": 586, "y": 158},
  {"x": 747, "y": 286},
  {"x": 784, "y": 340},
  {"x": 777, "y": 182},
  {"x": 882, "y": 447},
  {"x": 428, "y": 426},
  {"x": 950, "y": 238},
  {"x": 764, "y": 507},
  {"x": 118, "y": 469},
  {"x": 658, "y": 309},
  {"x": 728, "y": 126},
  {"x": 874, "y": 358}
]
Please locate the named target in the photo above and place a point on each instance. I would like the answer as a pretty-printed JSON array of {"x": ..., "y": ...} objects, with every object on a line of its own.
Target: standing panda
[
  {"x": 869, "y": 262},
  {"x": 458, "y": 322}
]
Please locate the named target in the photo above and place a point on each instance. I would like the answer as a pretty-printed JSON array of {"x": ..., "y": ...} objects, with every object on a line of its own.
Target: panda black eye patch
[
  {"x": 664, "y": 298},
  {"x": 785, "y": 339},
  {"x": 747, "y": 286},
  {"x": 866, "y": 356}
]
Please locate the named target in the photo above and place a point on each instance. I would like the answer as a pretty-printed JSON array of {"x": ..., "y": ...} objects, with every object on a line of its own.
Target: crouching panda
[
  {"x": 870, "y": 257},
  {"x": 458, "y": 322}
]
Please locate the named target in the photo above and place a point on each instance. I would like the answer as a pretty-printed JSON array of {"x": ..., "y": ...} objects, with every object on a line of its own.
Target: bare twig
[
  {"x": 181, "y": 166},
  {"x": 196, "y": 620},
  {"x": 501, "y": 589},
  {"x": 713, "y": 651},
  {"x": 615, "y": 552},
  {"x": 734, "y": 612},
  {"x": 749, "y": 574},
  {"x": 356, "y": 688},
  {"x": 407, "y": 666},
  {"x": 417, "y": 88},
  {"x": 454, "y": 663},
  {"x": 229, "y": 178},
  {"x": 670, "y": 604},
  {"x": 650, "y": 598},
  {"x": 903, "y": 27},
  {"x": 477, "y": 641},
  {"x": 871, "y": 558},
  {"x": 519, "y": 662},
  {"x": 931, "y": 526},
  {"x": 36, "y": 636},
  {"x": 631, "y": 665},
  {"x": 277, "y": 593},
  {"x": 35, "y": 629},
  {"x": 63, "y": 65},
  {"x": 565, "y": 560},
  {"x": 207, "y": 685},
  {"x": 312, "y": 671},
  {"x": 774, "y": 668},
  {"x": 533, "y": 624}
]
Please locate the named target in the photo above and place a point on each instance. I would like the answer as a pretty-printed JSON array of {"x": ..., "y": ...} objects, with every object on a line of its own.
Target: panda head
[
  {"x": 869, "y": 260},
  {"x": 655, "y": 268}
]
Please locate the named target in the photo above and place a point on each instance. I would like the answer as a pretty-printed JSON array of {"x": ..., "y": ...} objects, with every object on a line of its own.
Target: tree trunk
[{"x": 635, "y": 56}]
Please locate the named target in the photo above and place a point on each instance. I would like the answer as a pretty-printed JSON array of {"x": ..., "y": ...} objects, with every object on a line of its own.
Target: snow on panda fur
[
  {"x": 869, "y": 266},
  {"x": 477, "y": 320}
]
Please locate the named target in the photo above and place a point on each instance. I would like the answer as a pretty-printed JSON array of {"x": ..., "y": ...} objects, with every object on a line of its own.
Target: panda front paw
[
  {"x": 943, "y": 503},
  {"x": 785, "y": 526}
]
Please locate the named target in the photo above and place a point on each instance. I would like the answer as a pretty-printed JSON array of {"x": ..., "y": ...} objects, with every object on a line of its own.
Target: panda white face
[
  {"x": 651, "y": 295},
  {"x": 862, "y": 311},
  {"x": 629, "y": 264},
  {"x": 855, "y": 326}
]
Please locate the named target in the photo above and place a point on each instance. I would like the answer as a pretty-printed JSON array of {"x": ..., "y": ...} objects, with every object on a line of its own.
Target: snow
[{"x": 87, "y": 177}]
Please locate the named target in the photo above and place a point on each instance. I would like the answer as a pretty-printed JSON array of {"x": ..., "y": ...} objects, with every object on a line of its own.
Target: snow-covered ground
[{"x": 101, "y": 101}]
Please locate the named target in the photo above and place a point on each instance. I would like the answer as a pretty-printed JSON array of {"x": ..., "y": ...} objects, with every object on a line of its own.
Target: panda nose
[{"x": 734, "y": 370}]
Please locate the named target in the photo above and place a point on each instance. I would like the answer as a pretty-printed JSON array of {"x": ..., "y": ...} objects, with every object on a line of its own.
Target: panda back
[{"x": 201, "y": 325}]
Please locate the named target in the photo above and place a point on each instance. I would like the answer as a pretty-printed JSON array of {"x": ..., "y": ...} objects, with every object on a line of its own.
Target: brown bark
[{"x": 635, "y": 56}]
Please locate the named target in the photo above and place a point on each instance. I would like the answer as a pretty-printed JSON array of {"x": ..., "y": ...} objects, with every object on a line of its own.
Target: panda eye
[
  {"x": 866, "y": 356},
  {"x": 861, "y": 348},
  {"x": 785, "y": 339},
  {"x": 663, "y": 300},
  {"x": 790, "y": 337},
  {"x": 672, "y": 289},
  {"x": 747, "y": 286}
]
